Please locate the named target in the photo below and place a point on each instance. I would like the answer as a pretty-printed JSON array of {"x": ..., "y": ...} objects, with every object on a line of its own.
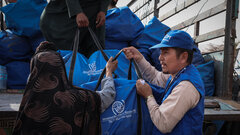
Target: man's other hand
[
  {"x": 143, "y": 89},
  {"x": 100, "y": 20}
]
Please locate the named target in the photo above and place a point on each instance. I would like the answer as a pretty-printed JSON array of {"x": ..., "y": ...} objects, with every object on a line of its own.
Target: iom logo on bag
[
  {"x": 93, "y": 69},
  {"x": 118, "y": 107},
  {"x": 119, "y": 113}
]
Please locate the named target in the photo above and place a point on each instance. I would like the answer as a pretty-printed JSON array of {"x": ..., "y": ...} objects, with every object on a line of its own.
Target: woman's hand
[{"x": 111, "y": 67}]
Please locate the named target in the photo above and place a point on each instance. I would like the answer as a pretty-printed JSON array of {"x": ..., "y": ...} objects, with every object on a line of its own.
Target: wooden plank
[
  {"x": 131, "y": 3},
  {"x": 146, "y": 14},
  {"x": 139, "y": 7},
  {"x": 10, "y": 102},
  {"x": 178, "y": 9},
  {"x": 211, "y": 114},
  {"x": 221, "y": 114},
  {"x": 209, "y": 13},
  {"x": 209, "y": 36},
  {"x": 228, "y": 65},
  {"x": 162, "y": 3}
]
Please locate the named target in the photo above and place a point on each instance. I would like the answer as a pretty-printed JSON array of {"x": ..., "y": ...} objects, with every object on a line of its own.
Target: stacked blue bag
[
  {"x": 23, "y": 18},
  {"x": 81, "y": 65},
  {"x": 206, "y": 71},
  {"x": 87, "y": 70},
  {"x": 123, "y": 27},
  {"x": 13, "y": 47},
  {"x": 15, "y": 54},
  {"x": 19, "y": 42},
  {"x": 153, "y": 34}
]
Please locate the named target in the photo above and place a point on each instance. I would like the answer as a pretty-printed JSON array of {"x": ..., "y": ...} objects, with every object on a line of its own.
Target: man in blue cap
[{"x": 181, "y": 108}]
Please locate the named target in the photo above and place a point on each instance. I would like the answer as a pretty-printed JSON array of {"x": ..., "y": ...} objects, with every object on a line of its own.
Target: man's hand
[
  {"x": 100, "y": 20},
  {"x": 82, "y": 20},
  {"x": 111, "y": 67},
  {"x": 143, "y": 89},
  {"x": 132, "y": 53}
]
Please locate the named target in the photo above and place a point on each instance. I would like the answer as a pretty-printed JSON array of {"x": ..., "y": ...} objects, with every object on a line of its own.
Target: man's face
[{"x": 169, "y": 61}]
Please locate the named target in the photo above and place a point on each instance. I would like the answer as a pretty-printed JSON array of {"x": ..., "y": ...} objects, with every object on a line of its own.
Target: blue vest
[{"x": 191, "y": 123}]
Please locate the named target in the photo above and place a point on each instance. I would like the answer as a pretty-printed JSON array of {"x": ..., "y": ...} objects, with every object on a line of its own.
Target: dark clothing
[
  {"x": 58, "y": 23},
  {"x": 50, "y": 106}
]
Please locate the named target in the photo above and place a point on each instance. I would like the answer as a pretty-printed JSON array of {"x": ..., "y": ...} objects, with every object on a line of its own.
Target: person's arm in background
[{"x": 108, "y": 91}]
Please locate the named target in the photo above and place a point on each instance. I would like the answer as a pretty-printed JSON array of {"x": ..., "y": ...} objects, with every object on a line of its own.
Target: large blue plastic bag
[
  {"x": 111, "y": 44},
  {"x": 18, "y": 72},
  {"x": 153, "y": 34},
  {"x": 122, "y": 24},
  {"x": 122, "y": 116},
  {"x": 97, "y": 63},
  {"x": 23, "y": 17},
  {"x": 81, "y": 67},
  {"x": 206, "y": 71},
  {"x": 14, "y": 48},
  {"x": 87, "y": 70}
]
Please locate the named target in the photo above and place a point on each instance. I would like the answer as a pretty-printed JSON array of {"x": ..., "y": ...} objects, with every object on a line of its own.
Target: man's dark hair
[{"x": 179, "y": 51}]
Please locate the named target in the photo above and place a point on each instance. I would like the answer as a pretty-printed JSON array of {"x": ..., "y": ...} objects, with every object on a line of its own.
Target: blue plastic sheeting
[
  {"x": 13, "y": 47},
  {"x": 121, "y": 25},
  {"x": 87, "y": 70},
  {"x": 18, "y": 72},
  {"x": 23, "y": 17},
  {"x": 122, "y": 116},
  {"x": 207, "y": 74}
]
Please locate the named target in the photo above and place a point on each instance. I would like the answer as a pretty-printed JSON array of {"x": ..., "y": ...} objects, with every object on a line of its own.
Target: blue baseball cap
[{"x": 176, "y": 38}]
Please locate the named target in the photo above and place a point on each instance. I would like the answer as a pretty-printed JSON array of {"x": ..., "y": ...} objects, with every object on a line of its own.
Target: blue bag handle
[{"x": 104, "y": 71}]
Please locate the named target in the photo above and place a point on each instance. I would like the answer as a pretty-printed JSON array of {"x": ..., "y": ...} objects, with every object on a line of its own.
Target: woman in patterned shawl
[{"x": 52, "y": 106}]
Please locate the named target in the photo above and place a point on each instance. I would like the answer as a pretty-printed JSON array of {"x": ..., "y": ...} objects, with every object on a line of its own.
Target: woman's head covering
[{"x": 50, "y": 105}]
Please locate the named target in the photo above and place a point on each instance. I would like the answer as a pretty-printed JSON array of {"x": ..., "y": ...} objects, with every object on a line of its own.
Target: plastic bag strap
[
  {"x": 104, "y": 71},
  {"x": 99, "y": 46},
  {"x": 73, "y": 60},
  {"x": 139, "y": 107},
  {"x": 95, "y": 39}
]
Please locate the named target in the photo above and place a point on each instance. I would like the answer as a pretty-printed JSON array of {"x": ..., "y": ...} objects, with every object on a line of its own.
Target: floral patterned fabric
[{"x": 52, "y": 106}]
